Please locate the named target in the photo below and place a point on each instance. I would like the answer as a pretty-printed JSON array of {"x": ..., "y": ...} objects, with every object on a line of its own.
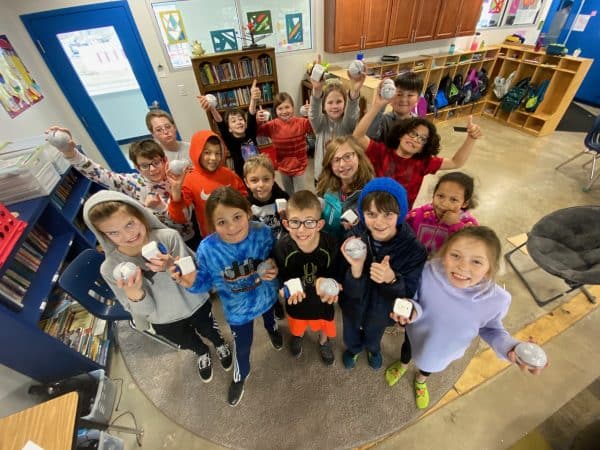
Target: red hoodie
[{"x": 199, "y": 183}]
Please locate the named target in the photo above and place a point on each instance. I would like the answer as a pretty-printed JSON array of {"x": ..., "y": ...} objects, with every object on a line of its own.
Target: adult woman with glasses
[
  {"x": 346, "y": 169},
  {"x": 409, "y": 153}
]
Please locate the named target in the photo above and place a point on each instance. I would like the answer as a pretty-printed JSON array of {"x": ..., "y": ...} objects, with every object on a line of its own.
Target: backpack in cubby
[
  {"x": 535, "y": 96},
  {"x": 515, "y": 96}
]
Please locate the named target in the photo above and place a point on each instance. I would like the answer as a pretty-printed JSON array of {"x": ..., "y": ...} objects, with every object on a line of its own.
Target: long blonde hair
[{"x": 329, "y": 182}]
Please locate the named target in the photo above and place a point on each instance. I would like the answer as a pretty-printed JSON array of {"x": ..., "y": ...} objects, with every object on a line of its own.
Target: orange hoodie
[{"x": 199, "y": 183}]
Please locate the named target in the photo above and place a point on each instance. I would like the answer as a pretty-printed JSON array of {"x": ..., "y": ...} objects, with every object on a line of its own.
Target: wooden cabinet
[
  {"x": 402, "y": 18},
  {"x": 426, "y": 20},
  {"x": 352, "y": 25},
  {"x": 458, "y": 18},
  {"x": 229, "y": 76}
]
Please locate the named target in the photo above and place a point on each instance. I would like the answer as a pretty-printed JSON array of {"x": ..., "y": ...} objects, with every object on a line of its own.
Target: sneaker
[
  {"x": 375, "y": 360},
  {"x": 236, "y": 391},
  {"x": 394, "y": 373},
  {"x": 349, "y": 359},
  {"x": 326, "y": 353},
  {"x": 205, "y": 367},
  {"x": 224, "y": 354},
  {"x": 279, "y": 312},
  {"x": 421, "y": 395},
  {"x": 296, "y": 346},
  {"x": 276, "y": 339}
]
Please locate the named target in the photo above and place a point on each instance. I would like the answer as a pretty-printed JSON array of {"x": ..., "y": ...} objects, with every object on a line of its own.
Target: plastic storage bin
[{"x": 104, "y": 400}]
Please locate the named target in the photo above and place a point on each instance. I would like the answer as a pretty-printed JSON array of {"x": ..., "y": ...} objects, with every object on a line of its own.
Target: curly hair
[
  {"x": 329, "y": 182},
  {"x": 430, "y": 148}
]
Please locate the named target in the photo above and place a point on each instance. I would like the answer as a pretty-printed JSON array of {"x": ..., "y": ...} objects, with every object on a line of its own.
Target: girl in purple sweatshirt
[
  {"x": 457, "y": 300},
  {"x": 446, "y": 214}
]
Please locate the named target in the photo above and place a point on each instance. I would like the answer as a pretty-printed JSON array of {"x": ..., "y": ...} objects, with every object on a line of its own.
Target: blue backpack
[{"x": 535, "y": 96}]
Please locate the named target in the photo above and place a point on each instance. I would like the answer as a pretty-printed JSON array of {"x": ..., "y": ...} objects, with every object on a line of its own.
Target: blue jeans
[
  {"x": 242, "y": 336},
  {"x": 366, "y": 334}
]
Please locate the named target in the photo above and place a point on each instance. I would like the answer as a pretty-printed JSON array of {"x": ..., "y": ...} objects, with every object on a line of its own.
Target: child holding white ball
[
  {"x": 151, "y": 292},
  {"x": 237, "y": 128}
]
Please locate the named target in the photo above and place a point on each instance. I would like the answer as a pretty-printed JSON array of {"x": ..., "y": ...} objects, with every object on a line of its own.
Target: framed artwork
[
  {"x": 173, "y": 28},
  {"x": 261, "y": 20},
  {"x": 224, "y": 40},
  {"x": 18, "y": 91},
  {"x": 293, "y": 28}
]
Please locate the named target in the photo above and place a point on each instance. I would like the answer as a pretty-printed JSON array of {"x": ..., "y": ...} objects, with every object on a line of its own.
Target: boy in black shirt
[{"x": 310, "y": 255}]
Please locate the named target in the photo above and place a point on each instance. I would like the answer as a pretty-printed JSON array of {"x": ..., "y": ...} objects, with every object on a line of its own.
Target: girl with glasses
[
  {"x": 346, "y": 169},
  {"x": 409, "y": 152}
]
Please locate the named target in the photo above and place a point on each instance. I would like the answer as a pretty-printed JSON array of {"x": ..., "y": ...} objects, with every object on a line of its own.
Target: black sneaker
[
  {"x": 236, "y": 391},
  {"x": 225, "y": 356},
  {"x": 279, "y": 312},
  {"x": 296, "y": 346},
  {"x": 205, "y": 367},
  {"x": 276, "y": 340},
  {"x": 326, "y": 353}
]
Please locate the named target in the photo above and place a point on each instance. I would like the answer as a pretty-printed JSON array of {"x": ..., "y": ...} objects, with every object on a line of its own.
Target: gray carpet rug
[{"x": 288, "y": 403}]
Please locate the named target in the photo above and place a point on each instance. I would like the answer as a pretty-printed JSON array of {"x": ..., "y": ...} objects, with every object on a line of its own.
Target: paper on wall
[{"x": 581, "y": 22}]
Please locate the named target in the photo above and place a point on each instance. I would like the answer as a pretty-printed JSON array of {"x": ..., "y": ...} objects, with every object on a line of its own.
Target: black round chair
[{"x": 566, "y": 244}]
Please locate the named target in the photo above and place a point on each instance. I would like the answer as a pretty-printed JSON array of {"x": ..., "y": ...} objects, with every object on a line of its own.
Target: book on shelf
[{"x": 10, "y": 298}]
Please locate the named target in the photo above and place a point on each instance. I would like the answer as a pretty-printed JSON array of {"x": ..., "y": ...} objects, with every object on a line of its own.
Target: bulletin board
[{"x": 221, "y": 25}]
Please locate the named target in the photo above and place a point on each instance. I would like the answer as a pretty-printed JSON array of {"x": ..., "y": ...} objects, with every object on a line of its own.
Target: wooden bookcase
[
  {"x": 26, "y": 347},
  {"x": 229, "y": 76},
  {"x": 565, "y": 74}
]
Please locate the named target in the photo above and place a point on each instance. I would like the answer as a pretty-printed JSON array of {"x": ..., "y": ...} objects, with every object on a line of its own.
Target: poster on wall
[
  {"x": 224, "y": 40},
  {"x": 172, "y": 24},
  {"x": 293, "y": 26},
  {"x": 261, "y": 21},
  {"x": 18, "y": 91}
]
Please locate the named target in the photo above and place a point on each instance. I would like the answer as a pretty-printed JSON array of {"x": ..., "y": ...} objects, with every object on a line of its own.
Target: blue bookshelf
[{"x": 25, "y": 347}]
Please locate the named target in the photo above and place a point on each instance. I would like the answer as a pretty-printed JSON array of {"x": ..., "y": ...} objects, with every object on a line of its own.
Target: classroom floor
[{"x": 516, "y": 186}]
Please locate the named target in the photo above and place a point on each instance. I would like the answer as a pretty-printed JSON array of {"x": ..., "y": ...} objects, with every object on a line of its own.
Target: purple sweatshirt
[
  {"x": 430, "y": 231},
  {"x": 450, "y": 318}
]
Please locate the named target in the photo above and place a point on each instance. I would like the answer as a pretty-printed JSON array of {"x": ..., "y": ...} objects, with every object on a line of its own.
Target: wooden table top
[{"x": 49, "y": 425}]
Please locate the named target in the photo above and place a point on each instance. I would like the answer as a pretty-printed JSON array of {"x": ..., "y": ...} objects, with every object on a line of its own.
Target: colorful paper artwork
[
  {"x": 261, "y": 20},
  {"x": 173, "y": 28},
  {"x": 293, "y": 28},
  {"x": 18, "y": 91},
  {"x": 224, "y": 40},
  {"x": 496, "y": 6}
]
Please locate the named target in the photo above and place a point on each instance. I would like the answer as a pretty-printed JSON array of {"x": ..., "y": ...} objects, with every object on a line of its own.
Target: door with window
[{"x": 97, "y": 57}]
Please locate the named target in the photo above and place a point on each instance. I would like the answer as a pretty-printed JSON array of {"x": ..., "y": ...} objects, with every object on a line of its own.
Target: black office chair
[
  {"x": 566, "y": 244},
  {"x": 82, "y": 280},
  {"x": 592, "y": 144}
]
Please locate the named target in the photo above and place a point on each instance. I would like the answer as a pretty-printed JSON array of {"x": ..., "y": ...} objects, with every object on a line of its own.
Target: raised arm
[
  {"x": 360, "y": 132},
  {"x": 255, "y": 95},
  {"x": 210, "y": 109},
  {"x": 463, "y": 153}
]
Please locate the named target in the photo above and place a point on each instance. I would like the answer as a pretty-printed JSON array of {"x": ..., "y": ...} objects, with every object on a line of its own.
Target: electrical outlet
[{"x": 182, "y": 90}]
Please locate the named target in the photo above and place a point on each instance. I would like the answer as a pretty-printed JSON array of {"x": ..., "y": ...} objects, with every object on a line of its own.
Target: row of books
[
  {"x": 22, "y": 269},
  {"x": 235, "y": 98},
  {"x": 229, "y": 71},
  {"x": 67, "y": 320},
  {"x": 63, "y": 190}
]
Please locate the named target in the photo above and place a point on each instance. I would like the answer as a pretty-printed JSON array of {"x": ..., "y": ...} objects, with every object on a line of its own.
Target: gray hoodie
[{"x": 165, "y": 300}]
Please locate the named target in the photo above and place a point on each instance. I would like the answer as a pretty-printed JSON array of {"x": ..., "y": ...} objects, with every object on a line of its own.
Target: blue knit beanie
[{"x": 390, "y": 186}]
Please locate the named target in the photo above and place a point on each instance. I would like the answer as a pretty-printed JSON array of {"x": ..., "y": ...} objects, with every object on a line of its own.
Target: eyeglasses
[
  {"x": 156, "y": 164},
  {"x": 346, "y": 157},
  {"x": 418, "y": 137},
  {"x": 308, "y": 223},
  {"x": 164, "y": 129}
]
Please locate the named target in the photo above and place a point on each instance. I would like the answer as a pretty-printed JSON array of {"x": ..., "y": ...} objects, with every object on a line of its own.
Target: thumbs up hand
[
  {"x": 262, "y": 115},
  {"x": 305, "y": 108},
  {"x": 255, "y": 92},
  {"x": 473, "y": 130},
  {"x": 382, "y": 272}
]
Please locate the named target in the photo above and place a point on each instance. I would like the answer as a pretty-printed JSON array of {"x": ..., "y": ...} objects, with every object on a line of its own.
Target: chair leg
[
  {"x": 538, "y": 300},
  {"x": 591, "y": 297},
  {"x": 570, "y": 159},
  {"x": 593, "y": 177}
]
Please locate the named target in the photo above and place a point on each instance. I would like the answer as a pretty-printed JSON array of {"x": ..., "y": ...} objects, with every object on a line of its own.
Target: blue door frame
[{"x": 43, "y": 28}]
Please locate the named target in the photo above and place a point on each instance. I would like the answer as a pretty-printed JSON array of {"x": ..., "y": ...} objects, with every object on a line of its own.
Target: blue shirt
[{"x": 231, "y": 269}]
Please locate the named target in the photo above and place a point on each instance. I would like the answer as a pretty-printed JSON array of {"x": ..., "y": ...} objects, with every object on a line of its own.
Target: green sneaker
[
  {"x": 394, "y": 373},
  {"x": 421, "y": 395}
]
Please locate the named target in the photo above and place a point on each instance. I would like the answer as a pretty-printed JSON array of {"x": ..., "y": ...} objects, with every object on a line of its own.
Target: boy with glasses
[
  {"x": 148, "y": 185},
  {"x": 309, "y": 254},
  {"x": 162, "y": 127}
]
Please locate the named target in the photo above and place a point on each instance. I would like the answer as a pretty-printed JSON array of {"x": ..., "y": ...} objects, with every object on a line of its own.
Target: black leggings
[
  {"x": 406, "y": 354},
  {"x": 186, "y": 332}
]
